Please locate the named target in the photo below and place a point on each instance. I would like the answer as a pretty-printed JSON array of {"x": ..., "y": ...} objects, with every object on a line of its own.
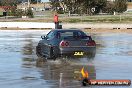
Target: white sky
[{"x": 44, "y": 0}]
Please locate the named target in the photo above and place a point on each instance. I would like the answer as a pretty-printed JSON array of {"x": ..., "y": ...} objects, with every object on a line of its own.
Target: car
[{"x": 65, "y": 42}]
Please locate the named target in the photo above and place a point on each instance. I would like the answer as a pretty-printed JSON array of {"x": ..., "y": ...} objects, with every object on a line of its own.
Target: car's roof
[{"x": 66, "y": 30}]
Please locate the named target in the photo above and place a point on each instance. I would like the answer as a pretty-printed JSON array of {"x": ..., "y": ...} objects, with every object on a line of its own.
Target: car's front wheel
[
  {"x": 52, "y": 55},
  {"x": 38, "y": 51}
]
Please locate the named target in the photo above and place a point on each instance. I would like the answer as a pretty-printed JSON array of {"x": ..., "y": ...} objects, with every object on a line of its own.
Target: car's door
[{"x": 46, "y": 43}]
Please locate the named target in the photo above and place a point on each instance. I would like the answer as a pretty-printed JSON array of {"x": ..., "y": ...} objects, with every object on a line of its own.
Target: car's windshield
[{"x": 50, "y": 35}]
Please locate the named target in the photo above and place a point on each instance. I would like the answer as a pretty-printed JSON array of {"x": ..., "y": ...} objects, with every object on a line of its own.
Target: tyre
[
  {"x": 52, "y": 55},
  {"x": 38, "y": 51}
]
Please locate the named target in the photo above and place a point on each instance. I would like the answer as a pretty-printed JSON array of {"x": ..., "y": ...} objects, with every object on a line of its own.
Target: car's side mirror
[{"x": 43, "y": 37}]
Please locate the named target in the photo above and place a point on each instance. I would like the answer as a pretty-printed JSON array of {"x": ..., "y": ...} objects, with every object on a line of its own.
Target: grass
[
  {"x": 98, "y": 19},
  {"x": 83, "y": 19},
  {"x": 108, "y": 19}
]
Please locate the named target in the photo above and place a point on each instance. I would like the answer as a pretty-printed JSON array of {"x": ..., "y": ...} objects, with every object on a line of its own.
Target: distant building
[
  {"x": 129, "y": 6},
  {"x": 35, "y": 7}
]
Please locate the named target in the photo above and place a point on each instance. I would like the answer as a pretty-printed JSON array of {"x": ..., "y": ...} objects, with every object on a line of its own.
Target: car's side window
[
  {"x": 77, "y": 34},
  {"x": 50, "y": 35},
  {"x": 80, "y": 34}
]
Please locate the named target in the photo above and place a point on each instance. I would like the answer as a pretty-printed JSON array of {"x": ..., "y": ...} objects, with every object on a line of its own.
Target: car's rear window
[
  {"x": 66, "y": 34},
  {"x": 70, "y": 34}
]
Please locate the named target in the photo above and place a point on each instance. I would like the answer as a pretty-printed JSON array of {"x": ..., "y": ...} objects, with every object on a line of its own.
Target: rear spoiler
[
  {"x": 80, "y": 37},
  {"x": 90, "y": 38}
]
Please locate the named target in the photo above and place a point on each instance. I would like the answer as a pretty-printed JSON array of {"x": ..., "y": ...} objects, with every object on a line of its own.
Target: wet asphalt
[{"x": 21, "y": 68}]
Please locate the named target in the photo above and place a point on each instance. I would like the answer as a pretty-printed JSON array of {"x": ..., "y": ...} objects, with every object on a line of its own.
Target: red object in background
[
  {"x": 56, "y": 18},
  {"x": 8, "y": 7}
]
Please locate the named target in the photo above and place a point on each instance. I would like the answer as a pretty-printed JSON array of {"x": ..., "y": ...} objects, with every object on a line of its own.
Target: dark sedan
[{"x": 65, "y": 43}]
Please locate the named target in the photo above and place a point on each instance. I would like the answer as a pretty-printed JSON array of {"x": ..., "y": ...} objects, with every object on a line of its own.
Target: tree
[
  {"x": 29, "y": 13},
  {"x": 35, "y": 1},
  {"x": 8, "y": 2},
  {"x": 88, "y": 5},
  {"x": 0, "y": 3},
  {"x": 72, "y": 5},
  {"x": 100, "y": 4},
  {"x": 55, "y": 4},
  {"x": 120, "y": 6},
  {"x": 109, "y": 8},
  {"x": 80, "y": 6}
]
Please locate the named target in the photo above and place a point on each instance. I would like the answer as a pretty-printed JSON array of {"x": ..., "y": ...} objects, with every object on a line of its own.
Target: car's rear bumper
[{"x": 73, "y": 50}]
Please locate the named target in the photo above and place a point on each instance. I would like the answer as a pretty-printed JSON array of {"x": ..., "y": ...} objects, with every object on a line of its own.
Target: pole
[
  {"x": 37, "y": 2},
  {"x": 120, "y": 17},
  {"x": 28, "y": 3},
  {"x": 61, "y": 76}
]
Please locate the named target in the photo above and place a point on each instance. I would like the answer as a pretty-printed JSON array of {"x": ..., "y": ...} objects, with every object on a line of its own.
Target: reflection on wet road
[{"x": 21, "y": 68}]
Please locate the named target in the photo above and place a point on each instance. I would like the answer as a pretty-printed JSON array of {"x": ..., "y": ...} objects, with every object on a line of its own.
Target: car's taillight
[
  {"x": 64, "y": 43},
  {"x": 91, "y": 43}
]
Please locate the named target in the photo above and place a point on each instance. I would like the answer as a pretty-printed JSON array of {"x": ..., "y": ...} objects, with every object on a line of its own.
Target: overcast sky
[{"x": 44, "y": 0}]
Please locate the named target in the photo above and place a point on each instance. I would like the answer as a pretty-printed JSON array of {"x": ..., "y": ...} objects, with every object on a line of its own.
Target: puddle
[
  {"x": 21, "y": 68},
  {"x": 29, "y": 78}
]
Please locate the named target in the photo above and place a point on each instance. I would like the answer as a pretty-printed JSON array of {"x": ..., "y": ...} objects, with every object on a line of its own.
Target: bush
[
  {"x": 12, "y": 12},
  {"x": 109, "y": 8},
  {"x": 120, "y": 6},
  {"x": 29, "y": 13},
  {"x": 74, "y": 20},
  {"x": 20, "y": 13}
]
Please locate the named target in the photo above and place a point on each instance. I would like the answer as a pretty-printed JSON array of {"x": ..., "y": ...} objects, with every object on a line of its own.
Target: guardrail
[
  {"x": 98, "y": 25},
  {"x": 26, "y": 25}
]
